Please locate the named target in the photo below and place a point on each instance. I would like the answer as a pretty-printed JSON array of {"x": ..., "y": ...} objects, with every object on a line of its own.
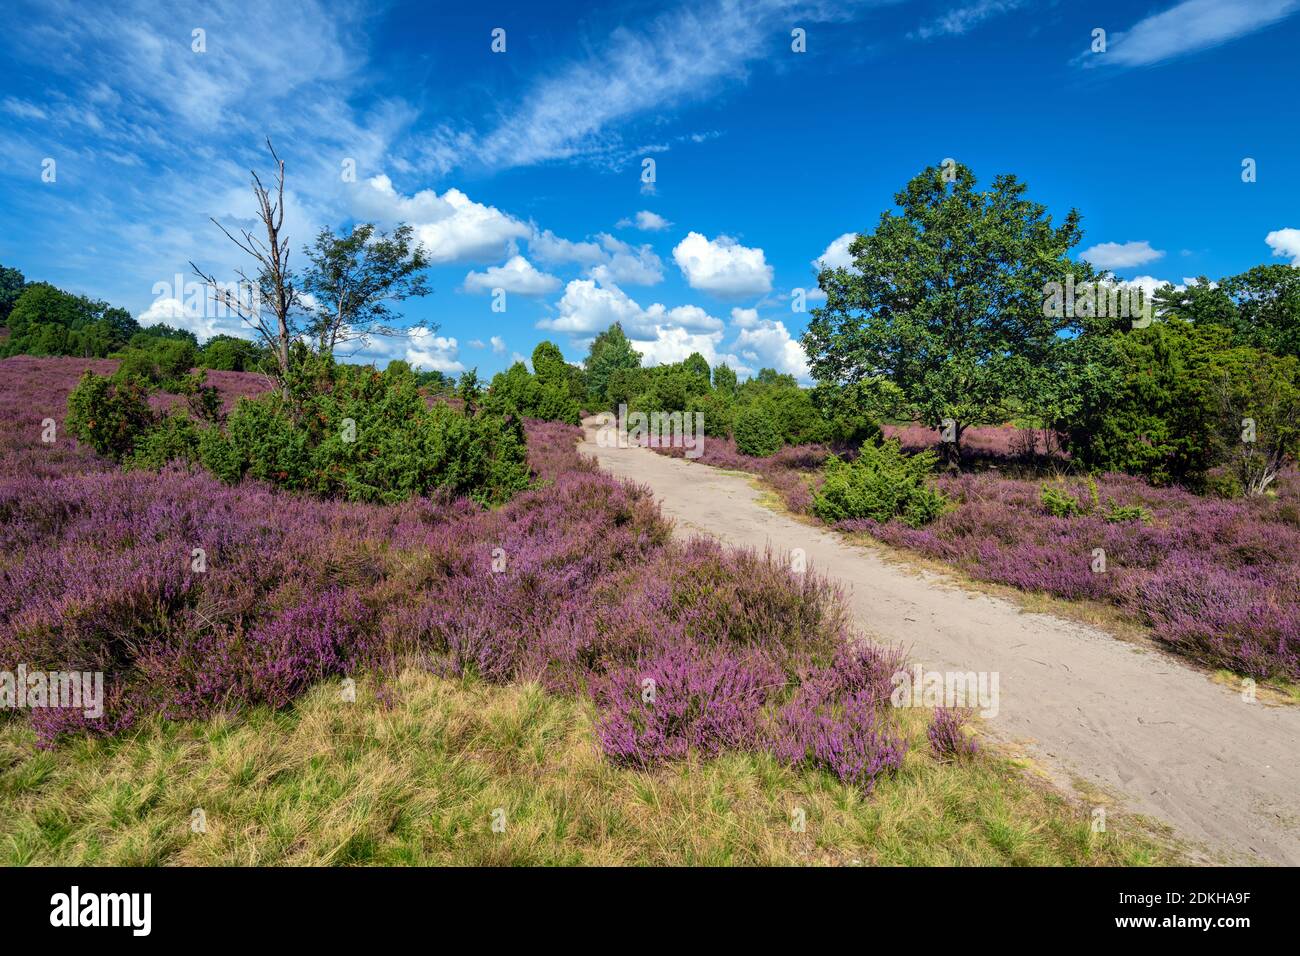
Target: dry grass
[{"x": 418, "y": 780}]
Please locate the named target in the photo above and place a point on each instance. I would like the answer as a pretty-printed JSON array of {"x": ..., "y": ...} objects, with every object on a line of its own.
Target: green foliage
[
  {"x": 352, "y": 279},
  {"x": 946, "y": 299},
  {"x": 724, "y": 380},
  {"x": 1149, "y": 402},
  {"x": 1257, "y": 397},
  {"x": 756, "y": 433},
  {"x": 610, "y": 352},
  {"x": 162, "y": 362},
  {"x": 353, "y": 432},
  {"x": 48, "y": 321},
  {"x": 516, "y": 392},
  {"x": 549, "y": 365},
  {"x": 12, "y": 284},
  {"x": 1261, "y": 307},
  {"x": 847, "y": 411},
  {"x": 882, "y": 483},
  {"x": 1059, "y": 503},
  {"x": 110, "y": 415},
  {"x": 175, "y": 438},
  {"x": 1118, "y": 514},
  {"x": 227, "y": 353}
]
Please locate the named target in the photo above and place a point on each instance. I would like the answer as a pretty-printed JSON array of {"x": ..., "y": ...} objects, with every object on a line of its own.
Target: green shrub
[
  {"x": 176, "y": 437},
  {"x": 352, "y": 432},
  {"x": 756, "y": 433},
  {"x": 109, "y": 415},
  {"x": 882, "y": 483},
  {"x": 1118, "y": 514},
  {"x": 1059, "y": 502}
]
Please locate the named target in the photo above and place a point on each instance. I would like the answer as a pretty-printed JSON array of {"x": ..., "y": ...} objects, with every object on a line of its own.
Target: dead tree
[{"x": 270, "y": 309}]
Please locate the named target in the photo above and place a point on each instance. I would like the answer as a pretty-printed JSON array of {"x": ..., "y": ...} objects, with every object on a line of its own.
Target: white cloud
[
  {"x": 680, "y": 56},
  {"x": 590, "y": 306},
  {"x": 517, "y": 275},
  {"x": 1149, "y": 284},
  {"x": 452, "y": 227},
  {"x": 22, "y": 109},
  {"x": 836, "y": 255},
  {"x": 426, "y": 350},
  {"x": 767, "y": 343},
  {"x": 957, "y": 22},
  {"x": 1188, "y": 27},
  {"x": 198, "y": 315},
  {"x": 624, "y": 263},
  {"x": 547, "y": 247},
  {"x": 1285, "y": 242},
  {"x": 498, "y": 344},
  {"x": 722, "y": 266},
  {"x": 1121, "y": 255},
  {"x": 607, "y": 259},
  {"x": 744, "y": 318},
  {"x": 476, "y": 344},
  {"x": 645, "y": 220}
]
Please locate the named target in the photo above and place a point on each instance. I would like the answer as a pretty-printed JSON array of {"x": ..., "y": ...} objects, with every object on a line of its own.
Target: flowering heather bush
[
  {"x": 946, "y": 737},
  {"x": 577, "y": 584}
]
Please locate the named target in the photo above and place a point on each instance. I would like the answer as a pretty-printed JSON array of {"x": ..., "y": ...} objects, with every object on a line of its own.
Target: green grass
[{"x": 418, "y": 780}]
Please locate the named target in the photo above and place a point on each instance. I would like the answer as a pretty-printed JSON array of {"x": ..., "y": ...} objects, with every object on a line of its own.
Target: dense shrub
[
  {"x": 882, "y": 483},
  {"x": 1162, "y": 397},
  {"x": 517, "y": 392},
  {"x": 175, "y": 438},
  {"x": 109, "y": 415},
  {"x": 352, "y": 432},
  {"x": 756, "y": 433}
]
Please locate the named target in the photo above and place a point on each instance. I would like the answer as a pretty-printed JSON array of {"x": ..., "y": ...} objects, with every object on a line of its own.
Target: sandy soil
[{"x": 1157, "y": 734}]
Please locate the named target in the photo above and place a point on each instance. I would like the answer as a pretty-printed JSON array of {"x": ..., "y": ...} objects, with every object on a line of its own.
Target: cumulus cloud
[
  {"x": 607, "y": 258},
  {"x": 427, "y": 350},
  {"x": 646, "y": 221},
  {"x": 1286, "y": 243},
  {"x": 766, "y": 343},
  {"x": 589, "y": 306},
  {"x": 722, "y": 266},
  {"x": 836, "y": 255},
  {"x": 498, "y": 344},
  {"x": 452, "y": 227},
  {"x": 199, "y": 315},
  {"x": 517, "y": 275},
  {"x": 1121, "y": 255}
]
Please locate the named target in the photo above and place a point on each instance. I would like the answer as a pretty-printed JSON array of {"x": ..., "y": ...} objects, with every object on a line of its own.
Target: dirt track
[{"x": 1156, "y": 733}]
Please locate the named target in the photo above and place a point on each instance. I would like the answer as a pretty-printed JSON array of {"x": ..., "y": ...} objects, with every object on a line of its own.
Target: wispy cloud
[
  {"x": 679, "y": 57},
  {"x": 958, "y": 21},
  {"x": 1189, "y": 27}
]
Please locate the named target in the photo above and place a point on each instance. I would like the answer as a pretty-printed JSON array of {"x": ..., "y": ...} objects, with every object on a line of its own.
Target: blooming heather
[{"x": 576, "y": 583}]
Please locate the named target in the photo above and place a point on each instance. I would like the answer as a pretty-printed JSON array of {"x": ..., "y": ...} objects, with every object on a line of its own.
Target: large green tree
[
  {"x": 946, "y": 298},
  {"x": 610, "y": 352}
]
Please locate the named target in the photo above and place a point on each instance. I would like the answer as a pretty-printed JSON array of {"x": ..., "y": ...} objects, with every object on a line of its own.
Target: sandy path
[{"x": 1152, "y": 731}]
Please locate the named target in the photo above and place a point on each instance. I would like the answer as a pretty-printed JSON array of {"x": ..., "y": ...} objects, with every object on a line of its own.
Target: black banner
[{"x": 331, "y": 906}]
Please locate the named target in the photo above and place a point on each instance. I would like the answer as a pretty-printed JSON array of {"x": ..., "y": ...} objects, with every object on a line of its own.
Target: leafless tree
[{"x": 270, "y": 309}]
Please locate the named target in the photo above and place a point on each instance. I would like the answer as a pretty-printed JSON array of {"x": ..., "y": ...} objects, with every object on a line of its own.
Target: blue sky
[{"x": 522, "y": 170}]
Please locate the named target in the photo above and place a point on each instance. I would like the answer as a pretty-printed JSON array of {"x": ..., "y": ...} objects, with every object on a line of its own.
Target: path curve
[{"x": 1145, "y": 727}]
